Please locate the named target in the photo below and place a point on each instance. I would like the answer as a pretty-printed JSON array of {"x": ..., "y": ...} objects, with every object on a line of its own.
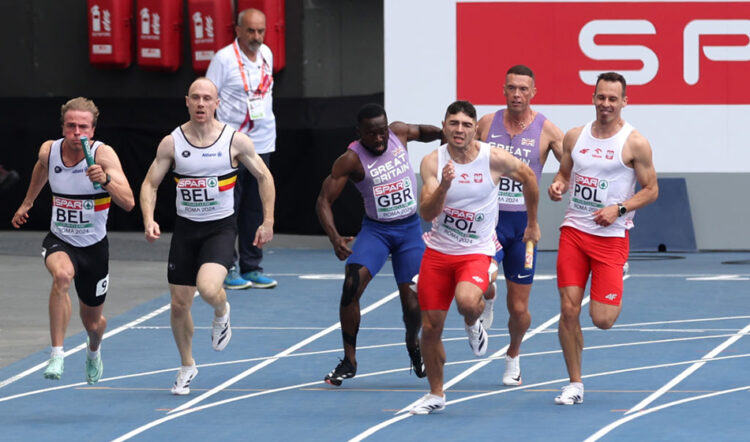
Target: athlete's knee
[
  {"x": 351, "y": 284},
  {"x": 62, "y": 278},
  {"x": 604, "y": 322}
]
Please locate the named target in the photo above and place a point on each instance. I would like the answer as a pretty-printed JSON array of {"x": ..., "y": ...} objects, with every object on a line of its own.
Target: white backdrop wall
[{"x": 437, "y": 51}]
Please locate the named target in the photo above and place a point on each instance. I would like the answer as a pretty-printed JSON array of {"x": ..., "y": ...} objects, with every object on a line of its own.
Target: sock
[
  {"x": 57, "y": 351},
  {"x": 223, "y": 318},
  {"x": 490, "y": 302},
  {"x": 93, "y": 354}
]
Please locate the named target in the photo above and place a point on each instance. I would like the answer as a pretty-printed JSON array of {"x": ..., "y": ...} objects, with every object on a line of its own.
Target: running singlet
[
  {"x": 525, "y": 147},
  {"x": 599, "y": 179},
  {"x": 79, "y": 211},
  {"x": 205, "y": 177},
  {"x": 389, "y": 188},
  {"x": 467, "y": 224}
]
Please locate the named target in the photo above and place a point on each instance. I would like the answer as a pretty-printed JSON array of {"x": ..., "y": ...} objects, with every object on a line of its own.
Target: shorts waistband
[{"x": 397, "y": 222}]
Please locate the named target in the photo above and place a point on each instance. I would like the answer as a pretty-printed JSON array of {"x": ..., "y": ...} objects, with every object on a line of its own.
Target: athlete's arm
[
  {"x": 415, "y": 132},
  {"x": 432, "y": 198},
  {"x": 38, "y": 180},
  {"x": 483, "y": 127},
  {"x": 107, "y": 163},
  {"x": 636, "y": 152},
  {"x": 561, "y": 181},
  {"x": 345, "y": 166},
  {"x": 551, "y": 141},
  {"x": 245, "y": 153},
  {"x": 159, "y": 168}
]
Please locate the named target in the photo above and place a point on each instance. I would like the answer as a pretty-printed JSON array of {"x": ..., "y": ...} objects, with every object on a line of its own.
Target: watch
[
  {"x": 109, "y": 179},
  {"x": 621, "y": 210}
]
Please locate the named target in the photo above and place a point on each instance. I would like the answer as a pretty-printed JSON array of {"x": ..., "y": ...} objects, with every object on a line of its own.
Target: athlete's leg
[
  {"x": 569, "y": 331},
  {"x": 355, "y": 281},
  {"x": 433, "y": 351},
  {"x": 210, "y": 285},
  {"x": 61, "y": 268},
  {"x": 94, "y": 322},
  {"x": 182, "y": 321},
  {"x": 411, "y": 314},
  {"x": 519, "y": 317}
]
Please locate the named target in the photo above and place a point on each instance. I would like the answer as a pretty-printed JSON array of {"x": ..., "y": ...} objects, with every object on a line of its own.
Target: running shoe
[
  {"x": 234, "y": 281},
  {"x": 221, "y": 332},
  {"x": 181, "y": 385},
  {"x": 94, "y": 369},
  {"x": 428, "y": 404},
  {"x": 417, "y": 364},
  {"x": 54, "y": 367},
  {"x": 478, "y": 338},
  {"x": 344, "y": 370},
  {"x": 571, "y": 394},
  {"x": 259, "y": 280},
  {"x": 488, "y": 314},
  {"x": 512, "y": 375}
]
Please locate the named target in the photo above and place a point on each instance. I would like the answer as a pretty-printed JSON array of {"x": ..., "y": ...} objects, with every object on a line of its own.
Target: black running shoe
[
  {"x": 417, "y": 364},
  {"x": 344, "y": 370}
]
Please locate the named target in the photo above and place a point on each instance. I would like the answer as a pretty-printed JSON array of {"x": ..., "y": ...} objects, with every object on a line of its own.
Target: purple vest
[
  {"x": 389, "y": 189},
  {"x": 525, "y": 147}
]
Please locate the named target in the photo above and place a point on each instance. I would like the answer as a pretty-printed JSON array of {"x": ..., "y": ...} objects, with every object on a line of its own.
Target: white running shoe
[
  {"x": 181, "y": 385},
  {"x": 512, "y": 375},
  {"x": 571, "y": 394},
  {"x": 221, "y": 332},
  {"x": 488, "y": 314},
  {"x": 428, "y": 404},
  {"x": 478, "y": 339}
]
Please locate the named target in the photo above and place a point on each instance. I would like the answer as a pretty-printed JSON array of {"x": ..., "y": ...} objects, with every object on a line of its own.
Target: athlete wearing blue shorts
[
  {"x": 378, "y": 165},
  {"x": 530, "y": 137}
]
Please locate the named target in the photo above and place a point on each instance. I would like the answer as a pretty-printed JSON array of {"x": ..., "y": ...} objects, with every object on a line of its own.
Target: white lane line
[
  {"x": 687, "y": 372},
  {"x": 368, "y": 347},
  {"x": 598, "y": 435},
  {"x": 80, "y": 347},
  {"x": 276, "y": 357}
]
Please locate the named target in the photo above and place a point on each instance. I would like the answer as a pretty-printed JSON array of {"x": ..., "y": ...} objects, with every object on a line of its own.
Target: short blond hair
[{"x": 80, "y": 104}]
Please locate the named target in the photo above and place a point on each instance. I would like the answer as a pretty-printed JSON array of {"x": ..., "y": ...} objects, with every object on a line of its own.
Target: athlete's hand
[
  {"x": 152, "y": 231},
  {"x": 449, "y": 173},
  {"x": 20, "y": 217},
  {"x": 263, "y": 235},
  {"x": 96, "y": 174},
  {"x": 556, "y": 190},
  {"x": 341, "y": 246},
  {"x": 532, "y": 233},
  {"x": 605, "y": 216}
]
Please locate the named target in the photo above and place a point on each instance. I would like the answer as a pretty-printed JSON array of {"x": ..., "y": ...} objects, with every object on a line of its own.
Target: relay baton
[
  {"x": 529, "y": 263},
  {"x": 90, "y": 160}
]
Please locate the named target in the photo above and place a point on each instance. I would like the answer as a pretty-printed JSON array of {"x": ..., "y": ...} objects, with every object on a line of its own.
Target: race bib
[
  {"x": 73, "y": 217},
  {"x": 395, "y": 200},
  {"x": 198, "y": 195},
  {"x": 589, "y": 193},
  {"x": 510, "y": 192}
]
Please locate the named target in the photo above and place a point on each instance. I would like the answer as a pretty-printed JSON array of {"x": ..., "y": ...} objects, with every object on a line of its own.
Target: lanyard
[{"x": 265, "y": 79}]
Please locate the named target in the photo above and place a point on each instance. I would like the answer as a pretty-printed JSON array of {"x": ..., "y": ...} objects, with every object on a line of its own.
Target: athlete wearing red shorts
[
  {"x": 459, "y": 197},
  {"x": 601, "y": 163}
]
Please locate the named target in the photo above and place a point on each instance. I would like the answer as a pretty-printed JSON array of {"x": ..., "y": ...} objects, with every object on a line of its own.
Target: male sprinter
[
  {"x": 530, "y": 137},
  {"x": 459, "y": 196},
  {"x": 602, "y": 160},
  {"x": 378, "y": 165},
  {"x": 203, "y": 155},
  {"x": 78, "y": 229}
]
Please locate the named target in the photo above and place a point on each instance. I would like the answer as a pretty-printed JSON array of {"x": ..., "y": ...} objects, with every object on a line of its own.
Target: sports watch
[{"x": 621, "y": 210}]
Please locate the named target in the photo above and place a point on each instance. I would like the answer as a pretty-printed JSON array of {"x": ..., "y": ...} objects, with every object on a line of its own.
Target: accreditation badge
[{"x": 256, "y": 108}]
